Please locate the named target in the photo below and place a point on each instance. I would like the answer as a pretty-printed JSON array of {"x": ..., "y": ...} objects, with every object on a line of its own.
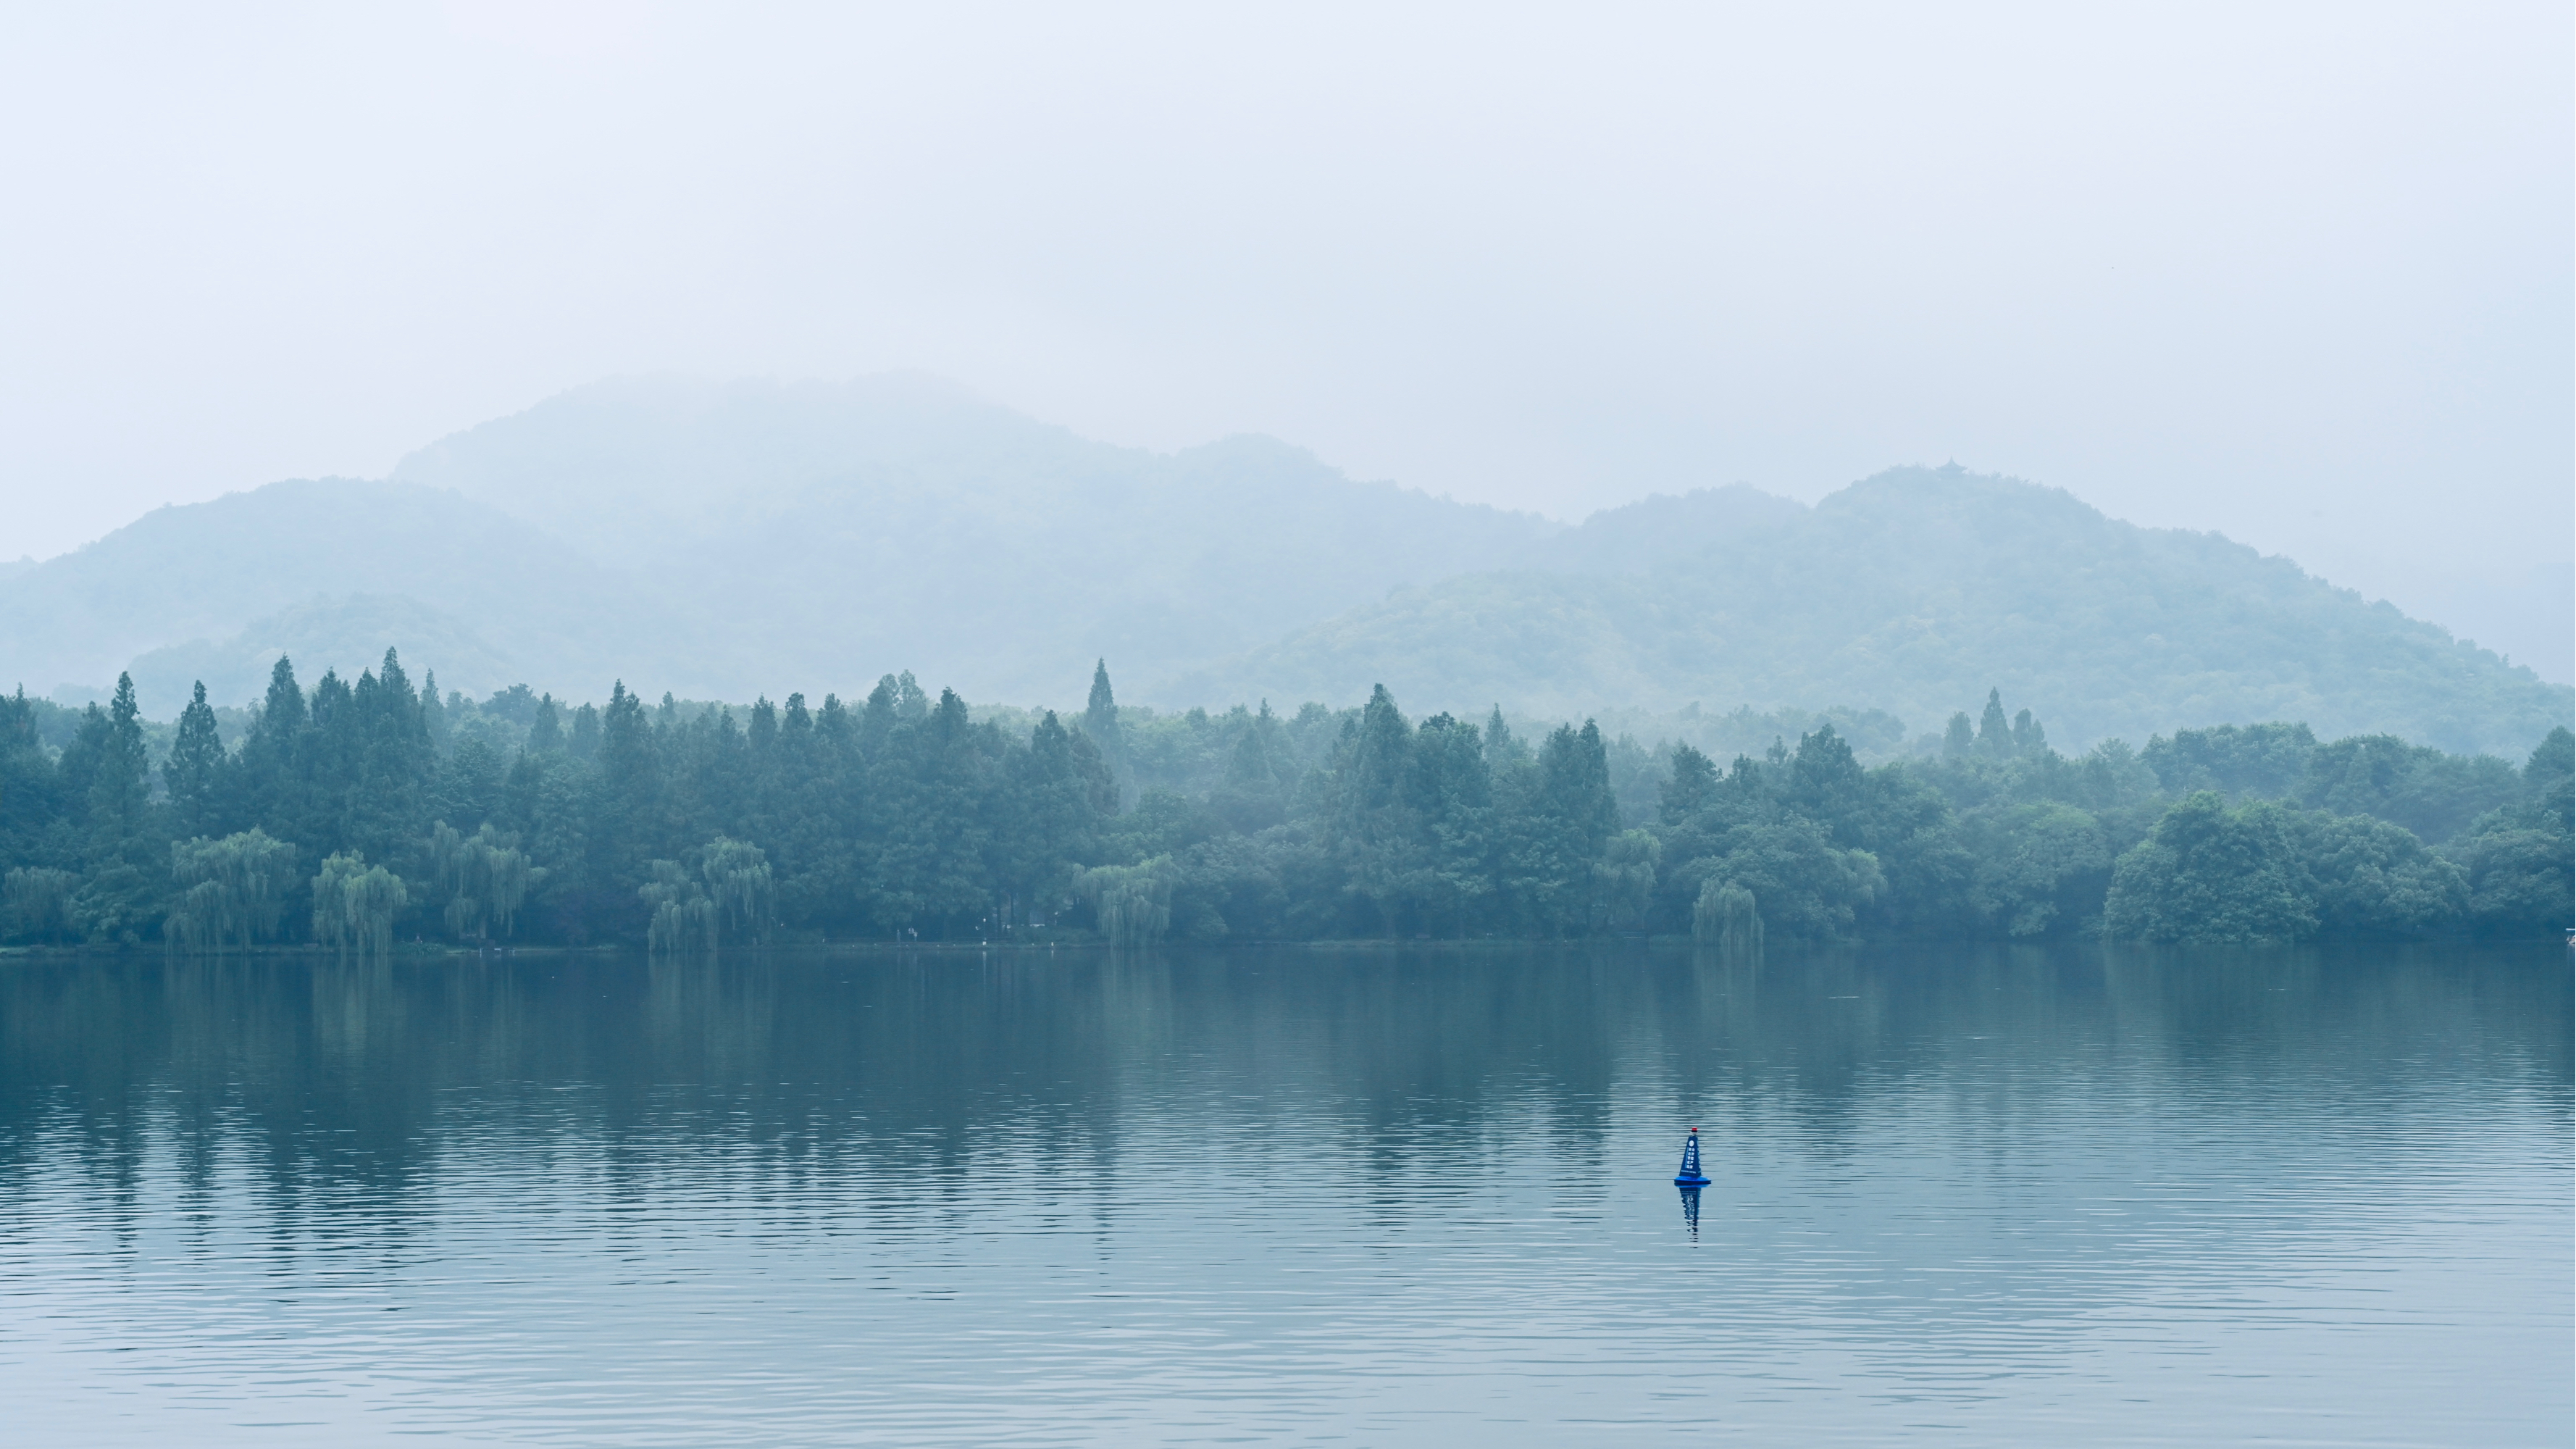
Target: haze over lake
[
  {"x": 1099, "y": 724},
  {"x": 1961, "y": 1195}
]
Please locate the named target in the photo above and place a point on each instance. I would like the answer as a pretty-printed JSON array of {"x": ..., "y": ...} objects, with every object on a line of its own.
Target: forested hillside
[
  {"x": 287, "y": 561},
  {"x": 720, "y": 536},
  {"x": 362, "y": 813},
  {"x": 1909, "y": 590},
  {"x": 717, "y": 537},
  {"x": 845, "y": 528}
]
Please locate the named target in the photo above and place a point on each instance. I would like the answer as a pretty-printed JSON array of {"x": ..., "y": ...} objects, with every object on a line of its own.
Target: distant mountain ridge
[
  {"x": 204, "y": 571},
  {"x": 831, "y": 533},
  {"x": 723, "y": 540},
  {"x": 1908, "y": 592},
  {"x": 348, "y": 632}
]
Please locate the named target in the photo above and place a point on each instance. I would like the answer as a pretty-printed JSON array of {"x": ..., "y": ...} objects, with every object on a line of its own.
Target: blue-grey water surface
[{"x": 1366, "y": 1197}]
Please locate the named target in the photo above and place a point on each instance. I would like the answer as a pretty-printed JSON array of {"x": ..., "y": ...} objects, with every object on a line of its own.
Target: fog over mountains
[{"x": 724, "y": 540}]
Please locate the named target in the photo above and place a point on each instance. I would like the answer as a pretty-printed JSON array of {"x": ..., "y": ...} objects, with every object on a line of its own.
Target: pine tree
[
  {"x": 120, "y": 793},
  {"x": 191, "y": 771},
  {"x": 1453, "y": 791},
  {"x": 1994, "y": 734},
  {"x": 385, "y": 761},
  {"x": 1253, "y": 796},
  {"x": 433, "y": 713},
  {"x": 1100, "y": 722},
  {"x": 1374, "y": 831},
  {"x": 2027, "y": 737},
  {"x": 123, "y": 873},
  {"x": 585, "y": 733},
  {"x": 1573, "y": 813},
  {"x": 627, "y": 821},
  {"x": 31, "y": 786},
  {"x": 1501, "y": 745},
  {"x": 1961, "y": 739}
]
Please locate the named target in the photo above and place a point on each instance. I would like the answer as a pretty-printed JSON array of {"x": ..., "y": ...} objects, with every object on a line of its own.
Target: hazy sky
[{"x": 2299, "y": 274}]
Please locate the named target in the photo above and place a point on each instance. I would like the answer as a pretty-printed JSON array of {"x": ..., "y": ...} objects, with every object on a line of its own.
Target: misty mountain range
[{"x": 726, "y": 540}]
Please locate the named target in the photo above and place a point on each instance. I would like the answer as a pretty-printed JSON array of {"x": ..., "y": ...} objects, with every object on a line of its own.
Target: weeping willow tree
[
  {"x": 354, "y": 905},
  {"x": 485, "y": 877},
  {"x": 1133, "y": 903},
  {"x": 39, "y": 902},
  {"x": 683, "y": 918},
  {"x": 731, "y": 897},
  {"x": 1624, "y": 879},
  {"x": 232, "y": 891},
  {"x": 739, "y": 888},
  {"x": 1726, "y": 917}
]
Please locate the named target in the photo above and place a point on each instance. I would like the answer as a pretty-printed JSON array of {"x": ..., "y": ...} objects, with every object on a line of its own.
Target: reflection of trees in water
[{"x": 935, "y": 1071}]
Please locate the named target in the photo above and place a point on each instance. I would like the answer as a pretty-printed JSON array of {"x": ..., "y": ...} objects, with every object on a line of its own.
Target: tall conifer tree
[
  {"x": 195, "y": 758},
  {"x": 1994, "y": 732},
  {"x": 1100, "y": 722}
]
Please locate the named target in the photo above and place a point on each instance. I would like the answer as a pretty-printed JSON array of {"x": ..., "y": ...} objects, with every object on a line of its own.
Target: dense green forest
[{"x": 364, "y": 813}]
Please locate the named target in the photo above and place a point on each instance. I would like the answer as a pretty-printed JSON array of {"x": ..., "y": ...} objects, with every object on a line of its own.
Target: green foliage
[
  {"x": 193, "y": 769},
  {"x": 2432, "y": 794},
  {"x": 1132, "y": 903},
  {"x": 684, "y": 919},
  {"x": 1806, "y": 886},
  {"x": 2212, "y": 874},
  {"x": 485, "y": 878},
  {"x": 232, "y": 891},
  {"x": 1960, "y": 741},
  {"x": 740, "y": 888},
  {"x": 2519, "y": 880},
  {"x": 38, "y": 901},
  {"x": 1728, "y": 917},
  {"x": 2520, "y": 858},
  {"x": 1100, "y": 724},
  {"x": 733, "y": 897},
  {"x": 2039, "y": 866},
  {"x": 107, "y": 779},
  {"x": 355, "y": 906},
  {"x": 2370, "y": 877},
  {"x": 1624, "y": 880},
  {"x": 904, "y": 817},
  {"x": 2265, "y": 761}
]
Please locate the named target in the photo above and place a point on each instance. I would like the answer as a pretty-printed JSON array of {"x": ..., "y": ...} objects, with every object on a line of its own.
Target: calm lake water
[{"x": 1362, "y": 1197}]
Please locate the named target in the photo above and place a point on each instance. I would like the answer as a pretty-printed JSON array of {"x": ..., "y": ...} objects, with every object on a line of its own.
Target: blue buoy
[{"x": 1689, "y": 1176}]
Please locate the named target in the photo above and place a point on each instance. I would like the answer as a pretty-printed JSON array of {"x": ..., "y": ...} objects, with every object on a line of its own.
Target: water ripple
[{"x": 1975, "y": 1197}]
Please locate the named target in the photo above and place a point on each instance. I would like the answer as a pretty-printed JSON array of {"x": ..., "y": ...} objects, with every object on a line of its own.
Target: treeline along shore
[{"x": 369, "y": 813}]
